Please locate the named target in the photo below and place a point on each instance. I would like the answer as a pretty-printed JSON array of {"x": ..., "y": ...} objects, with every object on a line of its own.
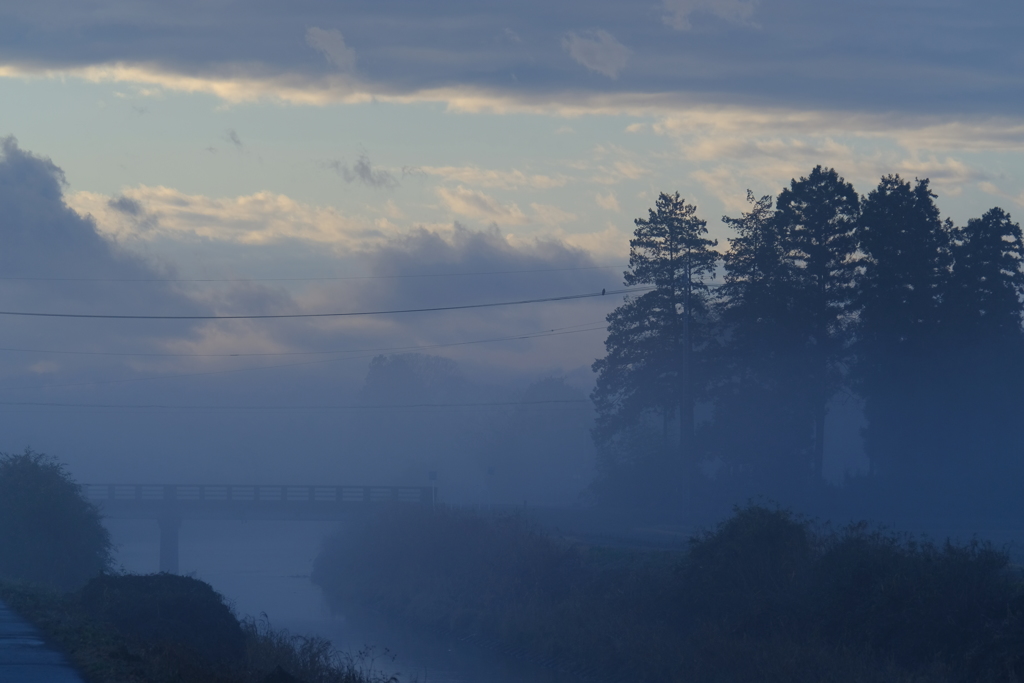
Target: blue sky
[{"x": 245, "y": 141}]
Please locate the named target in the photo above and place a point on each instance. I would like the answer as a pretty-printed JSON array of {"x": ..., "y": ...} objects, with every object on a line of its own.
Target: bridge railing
[{"x": 185, "y": 493}]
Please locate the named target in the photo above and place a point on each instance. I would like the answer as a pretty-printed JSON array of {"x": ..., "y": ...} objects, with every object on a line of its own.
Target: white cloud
[
  {"x": 260, "y": 218},
  {"x": 607, "y": 246},
  {"x": 474, "y": 204},
  {"x": 608, "y": 202},
  {"x": 552, "y": 215},
  {"x": 991, "y": 188},
  {"x": 678, "y": 11},
  {"x": 675, "y": 113},
  {"x": 332, "y": 45},
  {"x": 473, "y": 175},
  {"x": 598, "y": 51}
]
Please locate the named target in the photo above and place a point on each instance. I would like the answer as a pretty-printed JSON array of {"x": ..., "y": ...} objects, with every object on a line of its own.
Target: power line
[
  {"x": 303, "y": 279},
  {"x": 162, "y": 406},
  {"x": 526, "y": 335},
  {"x": 276, "y": 316}
]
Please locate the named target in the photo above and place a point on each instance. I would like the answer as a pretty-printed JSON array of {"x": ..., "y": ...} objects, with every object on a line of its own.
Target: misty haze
[{"x": 557, "y": 342}]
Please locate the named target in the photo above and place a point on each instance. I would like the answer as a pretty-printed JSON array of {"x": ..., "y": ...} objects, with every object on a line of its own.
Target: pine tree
[
  {"x": 653, "y": 338},
  {"x": 984, "y": 364},
  {"x": 983, "y": 300},
  {"x": 816, "y": 218},
  {"x": 904, "y": 270}
]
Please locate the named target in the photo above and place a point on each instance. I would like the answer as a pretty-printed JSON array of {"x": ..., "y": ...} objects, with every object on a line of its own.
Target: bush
[
  {"x": 105, "y": 652},
  {"x": 49, "y": 533},
  {"x": 765, "y": 596},
  {"x": 917, "y": 602},
  {"x": 748, "y": 571},
  {"x": 165, "y": 608}
]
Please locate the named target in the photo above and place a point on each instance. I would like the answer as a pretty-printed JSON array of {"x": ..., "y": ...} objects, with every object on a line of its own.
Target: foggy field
[{"x": 766, "y": 596}]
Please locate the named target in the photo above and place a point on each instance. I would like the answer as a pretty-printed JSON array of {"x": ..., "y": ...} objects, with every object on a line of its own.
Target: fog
[{"x": 528, "y": 341}]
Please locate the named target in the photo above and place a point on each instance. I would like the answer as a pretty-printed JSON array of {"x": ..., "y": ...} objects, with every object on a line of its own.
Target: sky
[{"x": 226, "y": 158}]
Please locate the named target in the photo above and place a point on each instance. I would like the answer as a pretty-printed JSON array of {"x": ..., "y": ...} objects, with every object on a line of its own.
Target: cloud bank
[{"x": 942, "y": 58}]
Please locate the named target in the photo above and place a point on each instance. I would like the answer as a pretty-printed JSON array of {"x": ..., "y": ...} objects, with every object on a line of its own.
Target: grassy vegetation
[
  {"x": 765, "y": 597},
  {"x": 173, "y": 629}
]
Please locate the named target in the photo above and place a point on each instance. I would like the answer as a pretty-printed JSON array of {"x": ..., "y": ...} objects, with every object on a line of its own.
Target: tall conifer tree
[
  {"x": 653, "y": 338},
  {"x": 905, "y": 268},
  {"x": 817, "y": 217},
  {"x": 758, "y": 389}
]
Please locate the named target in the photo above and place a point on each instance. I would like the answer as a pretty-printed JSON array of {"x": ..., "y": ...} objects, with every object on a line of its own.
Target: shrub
[
  {"x": 49, "y": 533},
  {"x": 765, "y": 596},
  {"x": 166, "y": 608},
  {"x": 916, "y": 601},
  {"x": 106, "y": 653},
  {"x": 748, "y": 572}
]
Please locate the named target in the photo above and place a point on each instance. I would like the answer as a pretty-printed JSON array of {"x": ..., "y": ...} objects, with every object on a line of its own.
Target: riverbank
[{"x": 766, "y": 596}]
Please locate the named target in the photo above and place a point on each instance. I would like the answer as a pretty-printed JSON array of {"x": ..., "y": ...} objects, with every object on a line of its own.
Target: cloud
[
  {"x": 73, "y": 267},
  {"x": 125, "y": 205},
  {"x": 473, "y": 175},
  {"x": 364, "y": 172},
  {"x": 262, "y": 218},
  {"x": 608, "y": 202},
  {"x": 332, "y": 45},
  {"x": 678, "y": 12},
  {"x": 991, "y": 188},
  {"x": 598, "y": 51},
  {"x": 552, "y": 215},
  {"x": 475, "y": 204},
  {"x": 804, "y": 55},
  {"x": 49, "y": 235}
]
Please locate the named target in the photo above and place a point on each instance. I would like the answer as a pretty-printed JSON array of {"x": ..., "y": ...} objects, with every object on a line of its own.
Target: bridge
[{"x": 170, "y": 504}]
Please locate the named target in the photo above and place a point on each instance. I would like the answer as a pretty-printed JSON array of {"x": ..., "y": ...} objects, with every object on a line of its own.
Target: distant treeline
[{"x": 822, "y": 293}]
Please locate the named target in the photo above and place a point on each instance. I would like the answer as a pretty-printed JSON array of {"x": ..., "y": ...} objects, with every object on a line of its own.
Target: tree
[
  {"x": 983, "y": 299},
  {"x": 817, "y": 218},
  {"x": 653, "y": 338},
  {"x": 982, "y": 317},
  {"x": 784, "y": 309},
  {"x": 49, "y": 533},
  {"x": 759, "y": 389},
  {"x": 906, "y": 264}
]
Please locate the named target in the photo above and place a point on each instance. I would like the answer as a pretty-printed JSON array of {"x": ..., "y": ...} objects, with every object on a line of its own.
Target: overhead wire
[
  {"x": 278, "y": 316},
  {"x": 163, "y": 406},
  {"x": 135, "y": 354},
  {"x": 303, "y": 279}
]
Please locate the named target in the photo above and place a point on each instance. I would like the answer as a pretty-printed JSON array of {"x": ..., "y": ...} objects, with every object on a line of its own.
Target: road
[{"x": 26, "y": 658}]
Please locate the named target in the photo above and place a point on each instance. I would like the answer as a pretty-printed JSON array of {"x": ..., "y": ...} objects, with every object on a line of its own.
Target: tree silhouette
[
  {"x": 817, "y": 219},
  {"x": 653, "y": 338},
  {"x": 983, "y": 299},
  {"x": 758, "y": 388},
  {"x": 984, "y": 388},
  {"x": 906, "y": 264}
]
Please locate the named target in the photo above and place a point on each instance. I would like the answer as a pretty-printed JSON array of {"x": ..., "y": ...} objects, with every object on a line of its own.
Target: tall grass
[{"x": 765, "y": 596}]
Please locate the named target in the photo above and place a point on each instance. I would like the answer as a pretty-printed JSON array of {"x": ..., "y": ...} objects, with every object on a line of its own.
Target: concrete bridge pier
[{"x": 169, "y": 527}]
